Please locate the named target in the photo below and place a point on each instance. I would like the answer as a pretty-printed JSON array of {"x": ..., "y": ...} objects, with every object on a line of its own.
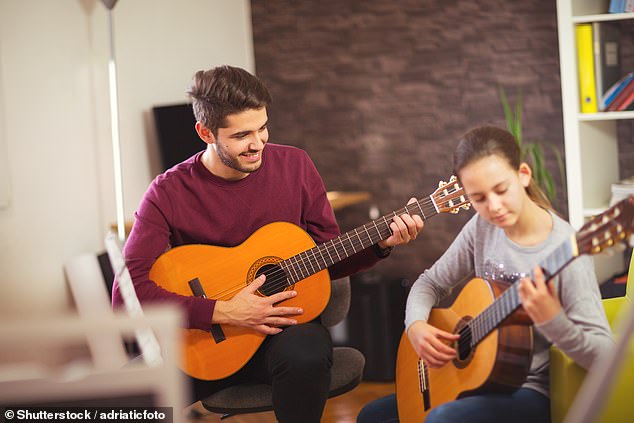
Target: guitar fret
[
  {"x": 421, "y": 210},
  {"x": 332, "y": 261},
  {"x": 387, "y": 225},
  {"x": 292, "y": 268},
  {"x": 315, "y": 258},
  {"x": 509, "y": 301},
  {"x": 345, "y": 251},
  {"x": 360, "y": 240},
  {"x": 298, "y": 269},
  {"x": 310, "y": 262},
  {"x": 282, "y": 264},
  {"x": 377, "y": 229},
  {"x": 368, "y": 233},
  {"x": 337, "y": 252},
  {"x": 351, "y": 244},
  {"x": 303, "y": 262}
]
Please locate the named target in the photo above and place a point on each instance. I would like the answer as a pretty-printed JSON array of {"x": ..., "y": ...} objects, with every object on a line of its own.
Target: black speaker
[
  {"x": 176, "y": 134},
  {"x": 375, "y": 322}
]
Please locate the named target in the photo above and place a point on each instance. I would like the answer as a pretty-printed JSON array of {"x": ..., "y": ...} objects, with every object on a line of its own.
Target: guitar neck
[
  {"x": 331, "y": 252},
  {"x": 509, "y": 301}
]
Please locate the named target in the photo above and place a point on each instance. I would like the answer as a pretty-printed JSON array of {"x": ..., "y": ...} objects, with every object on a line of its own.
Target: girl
[{"x": 513, "y": 230}]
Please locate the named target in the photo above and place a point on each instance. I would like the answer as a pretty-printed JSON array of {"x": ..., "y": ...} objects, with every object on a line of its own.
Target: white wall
[{"x": 55, "y": 129}]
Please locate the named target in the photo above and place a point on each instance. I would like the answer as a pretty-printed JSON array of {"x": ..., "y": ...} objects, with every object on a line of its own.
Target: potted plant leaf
[{"x": 531, "y": 152}]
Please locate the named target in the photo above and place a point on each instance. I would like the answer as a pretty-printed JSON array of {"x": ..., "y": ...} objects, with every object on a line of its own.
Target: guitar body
[
  {"x": 223, "y": 272},
  {"x": 500, "y": 362}
]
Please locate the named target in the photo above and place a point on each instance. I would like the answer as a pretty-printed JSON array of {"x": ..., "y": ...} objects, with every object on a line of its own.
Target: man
[{"x": 220, "y": 197}]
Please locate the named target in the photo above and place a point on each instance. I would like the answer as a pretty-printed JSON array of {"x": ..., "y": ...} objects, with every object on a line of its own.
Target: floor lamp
[{"x": 114, "y": 125}]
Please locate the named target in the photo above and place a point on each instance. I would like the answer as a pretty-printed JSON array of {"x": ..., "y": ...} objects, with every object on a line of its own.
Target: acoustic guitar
[
  {"x": 495, "y": 347},
  {"x": 286, "y": 254}
]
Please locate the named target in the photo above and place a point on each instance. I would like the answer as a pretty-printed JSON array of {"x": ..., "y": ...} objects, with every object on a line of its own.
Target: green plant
[{"x": 531, "y": 152}]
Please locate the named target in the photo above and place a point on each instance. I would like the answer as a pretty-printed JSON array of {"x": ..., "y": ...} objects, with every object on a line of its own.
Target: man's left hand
[{"x": 405, "y": 228}]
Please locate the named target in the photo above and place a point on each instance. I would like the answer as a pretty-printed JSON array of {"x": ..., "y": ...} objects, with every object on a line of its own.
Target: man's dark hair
[{"x": 225, "y": 90}]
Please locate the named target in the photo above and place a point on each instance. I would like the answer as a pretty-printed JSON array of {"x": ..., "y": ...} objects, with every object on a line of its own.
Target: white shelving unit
[{"x": 590, "y": 140}]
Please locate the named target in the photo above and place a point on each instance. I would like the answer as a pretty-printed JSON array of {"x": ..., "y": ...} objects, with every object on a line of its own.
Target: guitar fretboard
[
  {"x": 324, "y": 255},
  {"x": 509, "y": 300}
]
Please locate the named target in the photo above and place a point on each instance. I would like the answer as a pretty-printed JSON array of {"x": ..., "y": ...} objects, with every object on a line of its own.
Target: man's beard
[{"x": 234, "y": 163}]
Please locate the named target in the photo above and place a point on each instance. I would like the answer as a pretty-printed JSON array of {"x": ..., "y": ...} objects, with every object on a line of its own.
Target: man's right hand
[
  {"x": 248, "y": 309},
  {"x": 430, "y": 343}
]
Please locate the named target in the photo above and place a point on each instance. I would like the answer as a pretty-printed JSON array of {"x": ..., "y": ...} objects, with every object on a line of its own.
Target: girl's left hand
[{"x": 538, "y": 299}]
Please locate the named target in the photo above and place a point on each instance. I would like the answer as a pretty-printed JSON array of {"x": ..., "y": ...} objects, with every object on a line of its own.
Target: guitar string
[
  {"x": 277, "y": 278},
  {"x": 340, "y": 246},
  {"x": 488, "y": 319},
  {"x": 299, "y": 260},
  {"x": 492, "y": 316},
  {"x": 280, "y": 275}
]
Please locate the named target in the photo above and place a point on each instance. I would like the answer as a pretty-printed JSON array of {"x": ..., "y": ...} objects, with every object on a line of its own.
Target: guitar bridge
[
  {"x": 423, "y": 384},
  {"x": 198, "y": 291}
]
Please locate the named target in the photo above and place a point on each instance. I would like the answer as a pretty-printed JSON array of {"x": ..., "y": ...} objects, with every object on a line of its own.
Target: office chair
[{"x": 347, "y": 367}]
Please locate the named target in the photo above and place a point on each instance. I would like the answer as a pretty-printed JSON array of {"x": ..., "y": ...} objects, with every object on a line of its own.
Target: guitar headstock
[
  {"x": 450, "y": 197},
  {"x": 607, "y": 229}
]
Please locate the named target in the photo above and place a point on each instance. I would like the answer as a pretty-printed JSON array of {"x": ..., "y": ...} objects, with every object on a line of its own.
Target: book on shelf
[
  {"x": 621, "y": 6},
  {"x": 585, "y": 63},
  {"x": 607, "y": 69},
  {"x": 616, "y": 6},
  {"x": 624, "y": 98},
  {"x": 616, "y": 89}
]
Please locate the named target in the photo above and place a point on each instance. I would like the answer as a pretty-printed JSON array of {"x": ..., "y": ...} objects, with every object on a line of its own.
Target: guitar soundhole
[
  {"x": 276, "y": 280},
  {"x": 463, "y": 346}
]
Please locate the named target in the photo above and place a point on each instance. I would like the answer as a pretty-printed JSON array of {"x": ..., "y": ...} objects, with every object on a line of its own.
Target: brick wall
[{"x": 379, "y": 91}]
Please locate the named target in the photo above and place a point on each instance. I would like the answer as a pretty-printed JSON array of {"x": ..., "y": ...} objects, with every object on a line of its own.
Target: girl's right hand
[{"x": 430, "y": 343}]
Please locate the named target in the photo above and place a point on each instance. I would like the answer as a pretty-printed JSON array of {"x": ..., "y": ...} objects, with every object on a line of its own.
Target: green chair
[{"x": 566, "y": 376}]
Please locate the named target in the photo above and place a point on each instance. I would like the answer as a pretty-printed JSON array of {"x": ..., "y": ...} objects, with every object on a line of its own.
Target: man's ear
[
  {"x": 205, "y": 133},
  {"x": 525, "y": 174}
]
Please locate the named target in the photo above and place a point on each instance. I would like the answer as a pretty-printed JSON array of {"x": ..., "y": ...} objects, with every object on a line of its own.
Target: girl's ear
[
  {"x": 525, "y": 173},
  {"x": 204, "y": 133}
]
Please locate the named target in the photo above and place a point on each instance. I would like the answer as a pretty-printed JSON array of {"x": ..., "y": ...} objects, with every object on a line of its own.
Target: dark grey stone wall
[
  {"x": 625, "y": 129},
  {"x": 379, "y": 91}
]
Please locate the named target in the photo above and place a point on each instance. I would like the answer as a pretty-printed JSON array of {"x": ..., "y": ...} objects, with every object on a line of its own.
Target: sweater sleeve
[
  {"x": 149, "y": 238},
  {"x": 321, "y": 224},
  {"x": 581, "y": 330},
  {"x": 435, "y": 283}
]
